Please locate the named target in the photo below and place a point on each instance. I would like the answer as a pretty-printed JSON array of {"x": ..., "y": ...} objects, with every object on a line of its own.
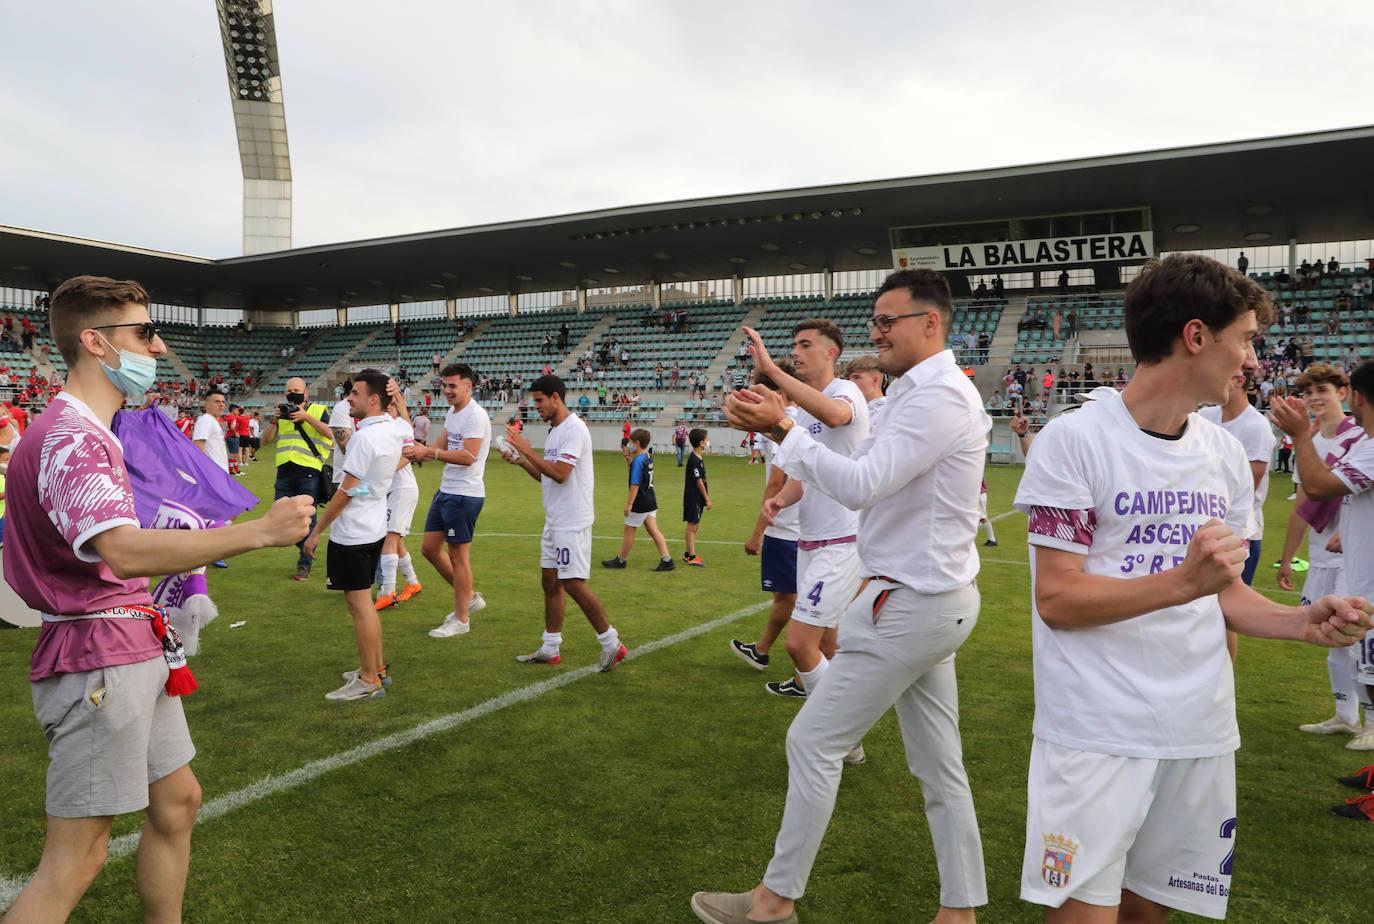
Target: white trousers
[{"x": 896, "y": 648}]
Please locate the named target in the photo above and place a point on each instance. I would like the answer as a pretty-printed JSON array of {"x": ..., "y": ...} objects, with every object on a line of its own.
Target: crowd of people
[{"x": 1142, "y": 529}]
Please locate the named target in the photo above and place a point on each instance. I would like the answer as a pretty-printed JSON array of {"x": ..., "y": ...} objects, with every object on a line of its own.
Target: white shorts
[
  {"x": 400, "y": 509},
  {"x": 827, "y": 581},
  {"x": 1098, "y": 823},
  {"x": 568, "y": 551},
  {"x": 1322, "y": 581},
  {"x": 637, "y": 519}
]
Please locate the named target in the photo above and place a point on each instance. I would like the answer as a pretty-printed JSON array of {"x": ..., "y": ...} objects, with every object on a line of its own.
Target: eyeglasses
[
  {"x": 146, "y": 329},
  {"x": 883, "y": 322}
]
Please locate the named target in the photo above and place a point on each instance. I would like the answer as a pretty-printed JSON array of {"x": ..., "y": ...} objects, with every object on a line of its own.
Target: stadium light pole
[{"x": 250, "y": 56}]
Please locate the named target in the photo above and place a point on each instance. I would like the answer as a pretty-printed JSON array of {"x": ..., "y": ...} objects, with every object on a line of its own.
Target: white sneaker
[
  {"x": 450, "y": 627},
  {"x": 856, "y": 755},
  {"x": 357, "y": 688},
  {"x": 1363, "y": 742},
  {"x": 476, "y": 604},
  {"x": 1332, "y": 726}
]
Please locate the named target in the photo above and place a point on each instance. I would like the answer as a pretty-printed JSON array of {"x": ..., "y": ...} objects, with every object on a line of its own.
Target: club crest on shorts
[{"x": 1059, "y": 853}]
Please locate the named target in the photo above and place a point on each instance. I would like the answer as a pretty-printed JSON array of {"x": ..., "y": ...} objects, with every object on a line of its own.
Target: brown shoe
[{"x": 731, "y": 908}]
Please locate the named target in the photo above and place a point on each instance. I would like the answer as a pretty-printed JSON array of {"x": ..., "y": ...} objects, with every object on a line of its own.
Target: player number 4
[{"x": 815, "y": 595}]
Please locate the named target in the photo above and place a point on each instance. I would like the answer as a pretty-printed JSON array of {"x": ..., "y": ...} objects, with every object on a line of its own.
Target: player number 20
[{"x": 563, "y": 556}]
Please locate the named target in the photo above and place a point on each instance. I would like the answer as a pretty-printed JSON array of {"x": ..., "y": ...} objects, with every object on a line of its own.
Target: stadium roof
[{"x": 1310, "y": 187}]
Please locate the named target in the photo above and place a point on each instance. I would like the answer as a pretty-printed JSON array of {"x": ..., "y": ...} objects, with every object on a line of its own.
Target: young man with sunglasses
[
  {"x": 103, "y": 665},
  {"x": 914, "y": 480}
]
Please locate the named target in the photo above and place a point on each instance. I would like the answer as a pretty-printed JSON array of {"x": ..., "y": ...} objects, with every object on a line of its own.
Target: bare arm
[
  {"x": 331, "y": 512},
  {"x": 341, "y": 436},
  {"x": 1067, "y": 598},
  {"x": 1297, "y": 529},
  {"x": 830, "y": 411},
  {"x": 1331, "y": 622},
  {"x": 1317, "y": 480},
  {"x": 134, "y": 552},
  {"x": 777, "y": 478}
]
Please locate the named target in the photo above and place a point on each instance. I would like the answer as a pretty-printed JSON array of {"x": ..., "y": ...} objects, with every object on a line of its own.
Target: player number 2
[
  {"x": 815, "y": 595},
  {"x": 1228, "y": 831}
]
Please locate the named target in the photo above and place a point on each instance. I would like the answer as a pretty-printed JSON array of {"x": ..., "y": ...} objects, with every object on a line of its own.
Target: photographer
[{"x": 304, "y": 442}]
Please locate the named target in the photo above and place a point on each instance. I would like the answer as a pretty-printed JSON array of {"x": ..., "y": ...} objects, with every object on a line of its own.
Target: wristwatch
[{"x": 779, "y": 430}]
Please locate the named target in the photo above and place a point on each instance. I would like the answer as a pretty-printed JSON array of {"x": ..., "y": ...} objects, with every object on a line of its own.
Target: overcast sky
[{"x": 415, "y": 115}]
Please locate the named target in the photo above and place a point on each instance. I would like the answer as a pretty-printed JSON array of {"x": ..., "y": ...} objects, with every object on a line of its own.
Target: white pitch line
[{"x": 127, "y": 844}]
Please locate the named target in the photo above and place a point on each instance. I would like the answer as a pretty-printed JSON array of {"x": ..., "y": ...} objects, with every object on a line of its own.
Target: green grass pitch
[{"x": 614, "y": 797}]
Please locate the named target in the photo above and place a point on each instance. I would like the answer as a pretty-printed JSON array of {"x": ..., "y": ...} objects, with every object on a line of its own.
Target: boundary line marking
[{"x": 127, "y": 844}]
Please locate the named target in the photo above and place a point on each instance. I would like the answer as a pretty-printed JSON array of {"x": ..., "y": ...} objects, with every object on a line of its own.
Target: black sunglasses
[{"x": 146, "y": 329}]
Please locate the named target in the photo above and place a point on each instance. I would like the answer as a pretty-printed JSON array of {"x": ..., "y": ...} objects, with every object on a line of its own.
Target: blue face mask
[{"x": 135, "y": 375}]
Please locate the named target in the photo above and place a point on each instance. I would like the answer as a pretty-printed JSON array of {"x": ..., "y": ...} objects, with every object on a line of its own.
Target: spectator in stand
[
  {"x": 1057, "y": 321},
  {"x": 1301, "y": 311},
  {"x": 658, "y": 377},
  {"x": 1357, "y": 294},
  {"x": 999, "y": 288},
  {"x": 996, "y": 405},
  {"x": 675, "y": 375},
  {"x": 584, "y": 404},
  {"x": 547, "y": 346},
  {"x": 1071, "y": 325},
  {"x": 1064, "y": 282},
  {"x": 563, "y": 333},
  {"x": 1333, "y": 267},
  {"x": 1283, "y": 278},
  {"x": 984, "y": 346},
  {"x": 1047, "y": 383},
  {"x": 624, "y": 358},
  {"x": 1242, "y": 264},
  {"x": 1308, "y": 352},
  {"x": 681, "y": 320}
]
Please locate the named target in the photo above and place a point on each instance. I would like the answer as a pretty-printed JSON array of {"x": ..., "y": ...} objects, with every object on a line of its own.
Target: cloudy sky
[{"x": 418, "y": 114}]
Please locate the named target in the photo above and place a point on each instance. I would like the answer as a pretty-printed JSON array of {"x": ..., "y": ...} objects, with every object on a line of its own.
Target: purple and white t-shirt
[
  {"x": 67, "y": 484},
  {"x": 1158, "y": 685},
  {"x": 821, "y": 516},
  {"x": 1356, "y": 470}
]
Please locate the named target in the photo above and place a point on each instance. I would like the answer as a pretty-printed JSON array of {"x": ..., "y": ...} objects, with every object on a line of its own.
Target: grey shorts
[{"x": 110, "y": 732}]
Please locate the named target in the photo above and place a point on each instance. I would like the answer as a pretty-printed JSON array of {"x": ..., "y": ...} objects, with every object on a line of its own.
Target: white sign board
[{"x": 1037, "y": 254}]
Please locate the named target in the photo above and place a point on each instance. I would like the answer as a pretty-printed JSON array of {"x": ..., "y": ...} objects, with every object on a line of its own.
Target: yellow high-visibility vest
[{"x": 291, "y": 444}]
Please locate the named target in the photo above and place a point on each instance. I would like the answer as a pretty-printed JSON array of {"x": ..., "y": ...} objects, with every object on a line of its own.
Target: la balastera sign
[{"x": 1050, "y": 251}]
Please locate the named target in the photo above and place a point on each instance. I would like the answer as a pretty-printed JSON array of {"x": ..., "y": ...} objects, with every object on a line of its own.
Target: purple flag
[{"x": 175, "y": 484}]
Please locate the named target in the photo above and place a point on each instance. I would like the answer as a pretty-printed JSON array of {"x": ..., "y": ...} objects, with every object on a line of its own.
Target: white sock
[
  {"x": 1340, "y": 668},
  {"x": 408, "y": 569},
  {"x": 811, "y": 678},
  {"x": 610, "y": 639},
  {"x": 552, "y": 642},
  {"x": 388, "y": 574},
  {"x": 987, "y": 525}
]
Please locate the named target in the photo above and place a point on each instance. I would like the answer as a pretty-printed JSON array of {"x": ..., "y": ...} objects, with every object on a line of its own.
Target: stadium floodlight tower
[{"x": 250, "y": 54}]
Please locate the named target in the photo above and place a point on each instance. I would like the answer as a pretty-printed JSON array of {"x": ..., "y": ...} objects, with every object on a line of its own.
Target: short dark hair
[
  {"x": 1362, "y": 380},
  {"x": 462, "y": 370},
  {"x": 550, "y": 385},
  {"x": 823, "y": 326},
  {"x": 374, "y": 380},
  {"x": 81, "y": 302},
  {"x": 925, "y": 286},
  {"x": 641, "y": 436},
  {"x": 762, "y": 378},
  {"x": 1169, "y": 293},
  {"x": 696, "y": 437}
]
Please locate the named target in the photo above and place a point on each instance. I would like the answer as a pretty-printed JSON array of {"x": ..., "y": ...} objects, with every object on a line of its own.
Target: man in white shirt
[
  {"x": 209, "y": 432},
  {"x": 775, "y": 542},
  {"x": 1323, "y": 390},
  {"x": 462, "y": 445},
  {"x": 401, "y": 501},
  {"x": 1136, "y": 508},
  {"x": 1352, "y": 475},
  {"x": 1240, "y": 419},
  {"x": 358, "y": 515},
  {"x": 914, "y": 480},
  {"x": 564, "y": 472},
  {"x": 834, "y": 412}
]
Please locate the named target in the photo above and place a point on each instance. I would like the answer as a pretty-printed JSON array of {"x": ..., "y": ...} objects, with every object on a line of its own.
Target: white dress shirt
[{"x": 915, "y": 479}]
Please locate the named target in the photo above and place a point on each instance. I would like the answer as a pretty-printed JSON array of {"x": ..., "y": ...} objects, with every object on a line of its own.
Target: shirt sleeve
[
  {"x": 1055, "y": 492},
  {"x": 203, "y": 430},
  {"x": 358, "y": 457},
  {"x": 904, "y": 447},
  {"x": 340, "y": 416},
  {"x": 1356, "y": 468},
  {"x": 637, "y": 470},
  {"x": 83, "y": 492}
]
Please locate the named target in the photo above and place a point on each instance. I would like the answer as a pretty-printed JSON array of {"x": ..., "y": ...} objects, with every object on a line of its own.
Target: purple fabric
[
  {"x": 175, "y": 484},
  {"x": 1319, "y": 514},
  {"x": 1076, "y": 526}
]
